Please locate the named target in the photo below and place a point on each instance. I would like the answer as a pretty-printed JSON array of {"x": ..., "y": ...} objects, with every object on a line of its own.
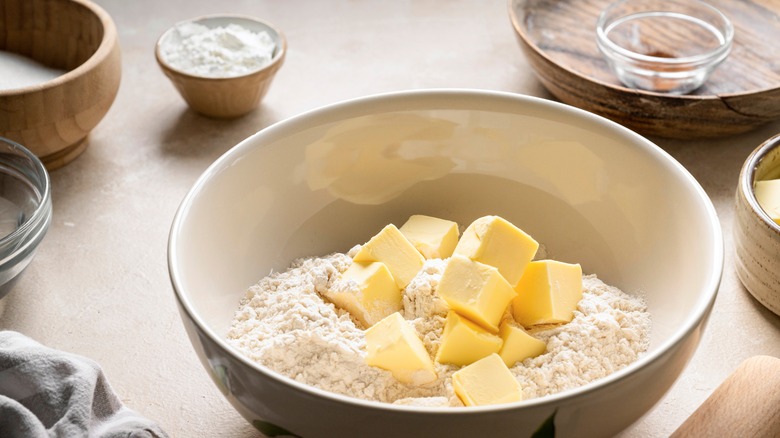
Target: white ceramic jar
[{"x": 756, "y": 235}]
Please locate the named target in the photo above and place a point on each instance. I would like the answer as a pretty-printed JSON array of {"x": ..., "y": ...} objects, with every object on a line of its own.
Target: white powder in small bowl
[
  {"x": 285, "y": 324},
  {"x": 218, "y": 52},
  {"x": 17, "y": 71}
]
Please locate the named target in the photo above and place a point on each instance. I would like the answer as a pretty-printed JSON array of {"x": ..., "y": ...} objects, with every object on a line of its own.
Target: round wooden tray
[{"x": 559, "y": 40}]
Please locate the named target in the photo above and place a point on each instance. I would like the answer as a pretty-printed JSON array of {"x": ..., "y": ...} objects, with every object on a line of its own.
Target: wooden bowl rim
[
  {"x": 520, "y": 30},
  {"x": 103, "y": 51},
  {"x": 747, "y": 176},
  {"x": 279, "y": 52}
]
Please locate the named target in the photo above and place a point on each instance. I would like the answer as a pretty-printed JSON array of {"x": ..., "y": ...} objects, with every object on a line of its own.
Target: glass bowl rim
[
  {"x": 40, "y": 217},
  {"x": 613, "y": 50}
]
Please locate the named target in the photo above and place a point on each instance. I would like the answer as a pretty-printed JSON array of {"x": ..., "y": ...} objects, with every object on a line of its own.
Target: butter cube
[
  {"x": 495, "y": 241},
  {"x": 486, "y": 382},
  {"x": 393, "y": 345},
  {"x": 376, "y": 296},
  {"x": 548, "y": 293},
  {"x": 435, "y": 238},
  {"x": 768, "y": 197},
  {"x": 463, "y": 342},
  {"x": 390, "y": 247},
  {"x": 476, "y": 291},
  {"x": 517, "y": 344}
]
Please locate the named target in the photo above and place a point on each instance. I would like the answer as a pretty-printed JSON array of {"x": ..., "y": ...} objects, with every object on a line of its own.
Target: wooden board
[{"x": 559, "y": 39}]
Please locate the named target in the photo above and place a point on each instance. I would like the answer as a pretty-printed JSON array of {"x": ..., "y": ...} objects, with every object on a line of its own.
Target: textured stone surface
[{"x": 99, "y": 284}]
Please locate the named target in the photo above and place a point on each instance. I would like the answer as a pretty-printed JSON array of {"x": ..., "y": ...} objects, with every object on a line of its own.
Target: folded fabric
[{"x": 50, "y": 393}]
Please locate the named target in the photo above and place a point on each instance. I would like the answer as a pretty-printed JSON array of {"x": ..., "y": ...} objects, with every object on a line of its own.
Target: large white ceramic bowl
[{"x": 587, "y": 188}]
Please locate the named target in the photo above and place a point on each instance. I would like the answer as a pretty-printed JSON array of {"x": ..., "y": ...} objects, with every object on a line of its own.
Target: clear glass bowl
[
  {"x": 25, "y": 209},
  {"x": 668, "y": 46}
]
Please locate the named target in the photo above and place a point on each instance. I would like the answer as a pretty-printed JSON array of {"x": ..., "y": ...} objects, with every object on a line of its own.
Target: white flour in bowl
[
  {"x": 17, "y": 71},
  {"x": 224, "y": 51},
  {"x": 285, "y": 324}
]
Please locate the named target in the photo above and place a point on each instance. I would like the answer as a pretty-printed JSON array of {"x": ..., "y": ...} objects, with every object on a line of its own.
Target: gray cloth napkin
[{"x": 50, "y": 393}]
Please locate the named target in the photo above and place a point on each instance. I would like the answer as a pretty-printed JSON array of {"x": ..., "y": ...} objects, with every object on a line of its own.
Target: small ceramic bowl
[
  {"x": 25, "y": 209},
  {"x": 756, "y": 235},
  {"x": 53, "y": 118},
  {"x": 589, "y": 189},
  {"x": 669, "y": 46},
  {"x": 217, "y": 96}
]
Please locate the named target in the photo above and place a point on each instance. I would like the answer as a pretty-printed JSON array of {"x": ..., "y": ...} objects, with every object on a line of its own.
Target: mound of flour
[
  {"x": 284, "y": 323},
  {"x": 223, "y": 51}
]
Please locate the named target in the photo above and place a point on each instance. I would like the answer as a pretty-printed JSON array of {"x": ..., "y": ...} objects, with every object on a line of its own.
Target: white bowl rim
[{"x": 694, "y": 318}]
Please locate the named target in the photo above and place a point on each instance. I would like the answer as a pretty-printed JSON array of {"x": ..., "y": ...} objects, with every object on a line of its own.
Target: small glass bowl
[
  {"x": 25, "y": 209},
  {"x": 668, "y": 46}
]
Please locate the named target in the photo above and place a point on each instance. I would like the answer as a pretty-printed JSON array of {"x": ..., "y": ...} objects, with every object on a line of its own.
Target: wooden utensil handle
[{"x": 746, "y": 404}]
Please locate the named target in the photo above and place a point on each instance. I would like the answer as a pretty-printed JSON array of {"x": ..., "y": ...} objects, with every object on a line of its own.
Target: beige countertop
[{"x": 99, "y": 284}]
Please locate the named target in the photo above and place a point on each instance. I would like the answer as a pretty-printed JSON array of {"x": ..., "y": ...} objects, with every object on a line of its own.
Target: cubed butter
[
  {"x": 435, "y": 238},
  {"x": 390, "y": 247},
  {"x": 475, "y": 290},
  {"x": 517, "y": 345},
  {"x": 376, "y": 296},
  {"x": 487, "y": 381},
  {"x": 768, "y": 197},
  {"x": 548, "y": 293},
  {"x": 495, "y": 241},
  {"x": 393, "y": 345},
  {"x": 463, "y": 342}
]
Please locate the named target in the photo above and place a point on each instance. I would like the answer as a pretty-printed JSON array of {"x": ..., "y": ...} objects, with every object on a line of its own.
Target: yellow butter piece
[
  {"x": 495, "y": 241},
  {"x": 463, "y": 342},
  {"x": 517, "y": 345},
  {"x": 487, "y": 381},
  {"x": 390, "y": 247},
  {"x": 376, "y": 296},
  {"x": 435, "y": 238},
  {"x": 393, "y": 345},
  {"x": 548, "y": 293},
  {"x": 768, "y": 196},
  {"x": 476, "y": 291}
]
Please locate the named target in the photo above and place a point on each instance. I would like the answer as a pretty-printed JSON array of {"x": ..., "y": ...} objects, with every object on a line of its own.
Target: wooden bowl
[
  {"x": 756, "y": 235},
  {"x": 225, "y": 97},
  {"x": 53, "y": 119},
  {"x": 559, "y": 40}
]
